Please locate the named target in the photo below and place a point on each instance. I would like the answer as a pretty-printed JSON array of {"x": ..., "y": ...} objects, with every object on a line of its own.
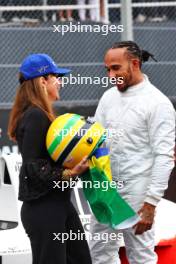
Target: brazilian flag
[{"x": 105, "y": 202}]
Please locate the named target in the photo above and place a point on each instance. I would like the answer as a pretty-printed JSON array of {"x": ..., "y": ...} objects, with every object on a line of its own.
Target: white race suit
[{"x": 140, "y": 123}]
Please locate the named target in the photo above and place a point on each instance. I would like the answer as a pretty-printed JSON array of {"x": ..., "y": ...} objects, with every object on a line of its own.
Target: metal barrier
[{"x": 28, "y": 29}]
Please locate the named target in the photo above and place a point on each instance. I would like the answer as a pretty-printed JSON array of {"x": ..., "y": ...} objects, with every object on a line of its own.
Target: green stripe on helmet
[{"x": 70, "y": 123}]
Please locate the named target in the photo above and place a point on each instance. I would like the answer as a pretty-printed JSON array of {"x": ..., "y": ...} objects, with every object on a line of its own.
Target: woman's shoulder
[
  {"x": 34, "y": 116},
  {"x": 35, "y": 113}
]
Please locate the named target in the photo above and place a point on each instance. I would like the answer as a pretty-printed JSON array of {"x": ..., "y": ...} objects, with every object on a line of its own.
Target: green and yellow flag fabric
[{"x": 106, "y": 203}]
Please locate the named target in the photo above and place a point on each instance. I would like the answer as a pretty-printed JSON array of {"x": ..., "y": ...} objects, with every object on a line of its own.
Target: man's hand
[{"x": 147, "y": 213}]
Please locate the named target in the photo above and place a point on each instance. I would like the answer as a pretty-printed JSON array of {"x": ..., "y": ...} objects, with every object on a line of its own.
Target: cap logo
[{"x": 43, "y": 68}]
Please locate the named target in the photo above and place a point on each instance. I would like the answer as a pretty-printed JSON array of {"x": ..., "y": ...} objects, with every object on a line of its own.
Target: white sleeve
[
  {"x": 162, "y": 140},
  {"x": 99, "y": 113}
]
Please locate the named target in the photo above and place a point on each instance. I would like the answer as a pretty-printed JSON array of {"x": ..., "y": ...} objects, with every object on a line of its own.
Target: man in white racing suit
[{"x": 141, "y": 151}]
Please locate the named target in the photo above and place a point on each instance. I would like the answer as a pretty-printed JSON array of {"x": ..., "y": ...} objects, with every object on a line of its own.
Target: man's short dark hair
[{"x": 134, "y": 50}]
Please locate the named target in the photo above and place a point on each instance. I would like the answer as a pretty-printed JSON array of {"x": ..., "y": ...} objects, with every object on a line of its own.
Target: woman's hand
[{"x": 81, "y": 167}]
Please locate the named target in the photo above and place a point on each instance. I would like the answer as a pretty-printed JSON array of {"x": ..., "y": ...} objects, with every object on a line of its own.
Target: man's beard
[
  {"x": 123, "y": 89},
  {"x": 127, "y": 82}
]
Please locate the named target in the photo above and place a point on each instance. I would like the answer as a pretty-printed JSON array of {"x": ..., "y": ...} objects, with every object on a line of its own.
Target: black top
[{"x": 38, "y": 171}]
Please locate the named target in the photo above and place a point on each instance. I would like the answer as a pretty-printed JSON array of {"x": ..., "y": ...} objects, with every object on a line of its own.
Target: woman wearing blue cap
[{"x": 47, "y": 213}]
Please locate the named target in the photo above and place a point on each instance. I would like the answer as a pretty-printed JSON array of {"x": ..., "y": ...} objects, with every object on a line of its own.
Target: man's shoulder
[{"x": 158, "y": 97}]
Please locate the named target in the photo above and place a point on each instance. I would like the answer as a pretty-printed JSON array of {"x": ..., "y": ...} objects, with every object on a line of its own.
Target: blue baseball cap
[{"x": 36, "y": 65}]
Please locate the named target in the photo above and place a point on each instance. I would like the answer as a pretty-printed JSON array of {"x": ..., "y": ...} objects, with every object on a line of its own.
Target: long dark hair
[{"x": 29, "y": 93}]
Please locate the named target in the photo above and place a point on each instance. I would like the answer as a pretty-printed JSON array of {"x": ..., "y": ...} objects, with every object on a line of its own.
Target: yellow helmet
[{"x": 70, "y": 137}]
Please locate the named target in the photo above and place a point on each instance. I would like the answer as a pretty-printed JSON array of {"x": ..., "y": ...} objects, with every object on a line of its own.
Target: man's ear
[{"x": 136, "y": 64}]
